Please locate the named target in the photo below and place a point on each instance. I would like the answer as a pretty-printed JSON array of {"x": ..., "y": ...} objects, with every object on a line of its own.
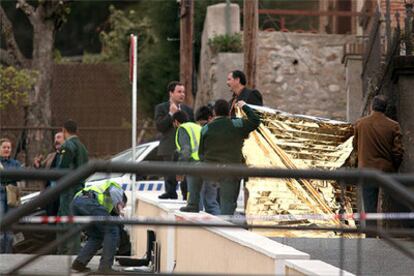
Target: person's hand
[
  {"x": 120, "y": 209},
  {"x": 37, "y": 160},
  {"x": 173, "y": 108},
  {"x": 240, "y": 104}
]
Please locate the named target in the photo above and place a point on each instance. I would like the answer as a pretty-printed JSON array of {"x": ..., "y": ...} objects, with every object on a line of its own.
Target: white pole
[{"x": 134, "y": 117}]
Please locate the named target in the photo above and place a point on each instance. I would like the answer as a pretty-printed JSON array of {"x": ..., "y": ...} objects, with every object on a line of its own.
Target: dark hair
[
  {"x": 379, "y": 103},
  {"x": 70, "y": 126},
  {"x": 124, "y": 198},
  {"x": 237, "y": 74},
  {"x": 221, "y": 108},
  {"x": 203, "y": 113},
  {"x": 180, "y": 116},
  {"x": 171, "y": 86}
]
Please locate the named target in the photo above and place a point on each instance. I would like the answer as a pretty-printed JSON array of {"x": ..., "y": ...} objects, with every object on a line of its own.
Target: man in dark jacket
[
  {"x": 378, "y": 142},
  {"x": 51, "y": 161},
  {"x": 163, "y": 120},
  {"x": 221, "y": 142},
  {"x": 236, "y": 81},
  {"x": 73, "y": 155}
]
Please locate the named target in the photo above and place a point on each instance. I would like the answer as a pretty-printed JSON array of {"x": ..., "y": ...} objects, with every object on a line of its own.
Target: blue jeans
[
  {"x": 209, "y": 197},
  {"x": 203, "y": 194},
  {"x": 370, "y": 197},
  {"x": 6, "y": 237},
  {"x": 105, "y": 235},
  {"x": 229, "y": 192}
]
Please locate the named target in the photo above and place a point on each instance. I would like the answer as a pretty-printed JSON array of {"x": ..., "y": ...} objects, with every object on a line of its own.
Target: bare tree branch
[
  {"x": 26, "y": 8},
  {"x": 6, "y": 58},
  {"x": 6, "y": 29}
]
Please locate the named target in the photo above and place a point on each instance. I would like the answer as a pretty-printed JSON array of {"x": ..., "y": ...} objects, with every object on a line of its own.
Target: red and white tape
[{"x": 235, "y": 218}]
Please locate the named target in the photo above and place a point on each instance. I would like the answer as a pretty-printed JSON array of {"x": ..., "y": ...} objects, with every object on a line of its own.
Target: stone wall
[
  {"x": 210, "y": 82},
  {"x": 297, "y": 73},
  {"x": 303, "y": 73}
]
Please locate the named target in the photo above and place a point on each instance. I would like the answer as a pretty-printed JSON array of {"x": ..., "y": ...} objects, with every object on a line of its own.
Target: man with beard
[
  {"x": 50, "y": 162},
  {"x": 236, "y": 81}
]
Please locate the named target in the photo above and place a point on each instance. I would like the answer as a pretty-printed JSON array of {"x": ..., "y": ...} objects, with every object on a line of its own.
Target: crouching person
[{"x": 99, "y": 200}]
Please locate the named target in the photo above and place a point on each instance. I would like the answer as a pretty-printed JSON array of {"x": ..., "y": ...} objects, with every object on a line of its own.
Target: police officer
[
  {"x": 187, "y": 140},
  {"x": 99, "y": 200},
  {"x": 73, "y": 155}
]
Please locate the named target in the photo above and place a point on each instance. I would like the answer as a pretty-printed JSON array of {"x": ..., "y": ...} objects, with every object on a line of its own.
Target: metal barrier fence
[{"x": 395, "y": 183}]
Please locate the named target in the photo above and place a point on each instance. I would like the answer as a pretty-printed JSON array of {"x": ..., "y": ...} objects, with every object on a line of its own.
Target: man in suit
[
  {"x": 51, "y": 161},
  {"x": 73, "y": 155},
  {"x": 164, "y": 124},
  {"x": 236, "y": 81},
  {"x": 378, "y": 142}
]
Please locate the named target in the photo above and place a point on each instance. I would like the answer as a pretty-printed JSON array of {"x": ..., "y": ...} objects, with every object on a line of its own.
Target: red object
[
  {"x": 45, "y": 219},
  {"x": 310, "y": 12},
  {"x": 131, "y": 57}
]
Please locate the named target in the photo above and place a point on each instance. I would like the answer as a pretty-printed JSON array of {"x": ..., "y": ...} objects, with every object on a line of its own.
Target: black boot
[
  {"x": 168, "y": 196},
  {"x": 190, "y": 209},
  {"x": 80, "y": 267}
]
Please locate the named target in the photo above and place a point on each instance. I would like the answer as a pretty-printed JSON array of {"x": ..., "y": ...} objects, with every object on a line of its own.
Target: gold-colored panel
[{"x": 291, "y": 141}]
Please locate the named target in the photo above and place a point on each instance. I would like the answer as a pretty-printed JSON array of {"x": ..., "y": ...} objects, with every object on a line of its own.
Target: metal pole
[
  {"x": 162, "y": 168},
  {"x": 134, "y": 118},
  {"x": 54, "y": 174},
  {"x": 250, "y": 33}
]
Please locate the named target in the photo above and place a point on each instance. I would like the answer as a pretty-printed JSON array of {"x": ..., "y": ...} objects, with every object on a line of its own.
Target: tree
[
  {"x": 45, "y": 16},
  {"x": 15, "y": 85},
  {"x": 115, "y": 39}
]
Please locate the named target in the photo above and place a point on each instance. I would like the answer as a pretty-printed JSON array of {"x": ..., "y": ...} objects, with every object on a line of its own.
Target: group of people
[
  {"x": 213, "y": 135},
  {"x": 101, "y": 200},
  {"x": 216, "y": 136},
  {"x": 69, "y": 153}
]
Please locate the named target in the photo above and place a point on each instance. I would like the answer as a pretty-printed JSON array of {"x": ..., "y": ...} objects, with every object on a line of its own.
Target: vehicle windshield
[{"x": 125, "y": 156}]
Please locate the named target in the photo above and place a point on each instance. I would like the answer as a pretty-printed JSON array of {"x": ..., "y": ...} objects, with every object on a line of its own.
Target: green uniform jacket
[
  {"x": 73, "y": 155},
  {"x": 222, "y": 139}
]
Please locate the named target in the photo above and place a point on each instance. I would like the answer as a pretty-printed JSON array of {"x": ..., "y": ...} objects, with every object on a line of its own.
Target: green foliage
[
  {"x": 115, "y": 41},
  {"x": 15, "y": 85},
  {"x": 226, "y": 43}
]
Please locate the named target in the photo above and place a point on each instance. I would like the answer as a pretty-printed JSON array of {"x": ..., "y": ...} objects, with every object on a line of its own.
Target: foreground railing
[{"x": 397, "y": 184}]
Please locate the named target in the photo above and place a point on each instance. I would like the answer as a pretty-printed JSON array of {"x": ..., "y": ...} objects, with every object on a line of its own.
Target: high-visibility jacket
[
  {"x": 102, "y": 193},
  {"x": 194, "y": 132}
]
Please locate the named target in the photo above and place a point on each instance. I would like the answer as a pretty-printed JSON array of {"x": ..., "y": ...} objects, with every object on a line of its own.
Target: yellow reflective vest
[
  {"x": 102, "y": 193},
  {"x": 194, "y": 132}
]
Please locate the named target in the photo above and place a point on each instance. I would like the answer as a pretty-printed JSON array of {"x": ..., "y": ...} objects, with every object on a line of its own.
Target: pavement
[
  {"x": 376, "y": 256},
  {"x": 49, "y": 265}
]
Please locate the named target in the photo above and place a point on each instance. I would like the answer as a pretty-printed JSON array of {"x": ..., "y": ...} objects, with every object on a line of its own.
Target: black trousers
[{"x": 170, "y": 180}]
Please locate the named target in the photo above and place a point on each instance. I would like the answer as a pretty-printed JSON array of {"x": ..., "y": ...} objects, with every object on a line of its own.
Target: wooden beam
[
  {"x": 250, "y": 30},
  {"x": 310, "y": 13},
  {"x": 323, "y": 20},
  {"x": 186, "y": 48}
]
